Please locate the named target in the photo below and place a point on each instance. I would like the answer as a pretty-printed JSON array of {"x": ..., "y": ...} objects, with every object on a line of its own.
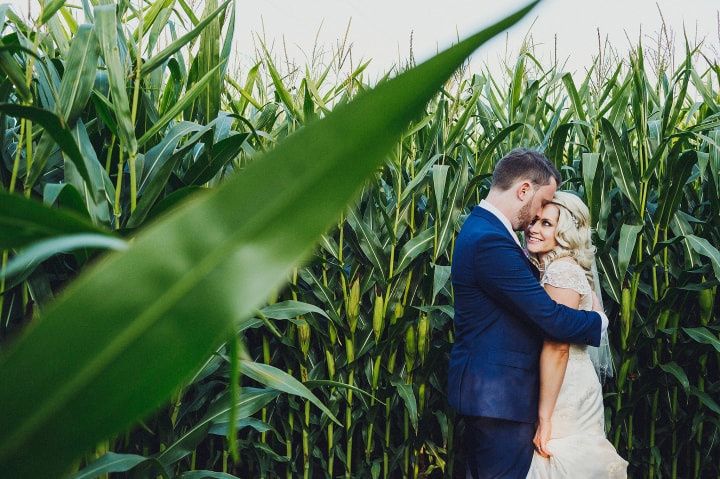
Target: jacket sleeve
[{"x": 503, "y": 273}]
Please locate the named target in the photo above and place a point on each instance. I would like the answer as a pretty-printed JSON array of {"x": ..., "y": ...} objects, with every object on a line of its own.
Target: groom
[{"x": 502, "y": 315}]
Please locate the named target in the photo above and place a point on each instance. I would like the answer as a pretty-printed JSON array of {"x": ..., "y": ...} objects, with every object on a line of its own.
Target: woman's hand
[{"x": 542, "y": 436}]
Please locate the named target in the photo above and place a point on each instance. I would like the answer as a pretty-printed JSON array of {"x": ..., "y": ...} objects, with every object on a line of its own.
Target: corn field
[{"x": 160, "y": 317}]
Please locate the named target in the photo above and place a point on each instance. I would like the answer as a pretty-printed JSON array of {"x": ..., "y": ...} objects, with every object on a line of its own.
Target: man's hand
[
  {"x": 542, "y": 436},
  {"x": 596, "y": 303},
  {"x": 597, "y": 307}
]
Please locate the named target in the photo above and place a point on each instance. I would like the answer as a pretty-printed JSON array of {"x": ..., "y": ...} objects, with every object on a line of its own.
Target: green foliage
[
  {"x": 159, "y": 144},
  {"x": 88, "y": 369}
]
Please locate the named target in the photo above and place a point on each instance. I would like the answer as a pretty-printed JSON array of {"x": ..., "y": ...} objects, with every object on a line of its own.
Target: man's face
[{"x": 534, "y": 205}]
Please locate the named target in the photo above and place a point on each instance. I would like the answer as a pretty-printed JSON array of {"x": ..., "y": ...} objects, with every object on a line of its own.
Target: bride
[{"x": 570, "y": 437}]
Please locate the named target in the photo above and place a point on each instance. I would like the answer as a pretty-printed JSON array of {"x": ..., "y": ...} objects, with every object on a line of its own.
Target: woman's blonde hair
[{"x": 572, "y": 234}]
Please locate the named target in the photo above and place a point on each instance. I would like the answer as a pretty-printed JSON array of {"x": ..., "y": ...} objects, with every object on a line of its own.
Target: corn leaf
[
  {"x": 14, "y": 74},
  {"x": 415, "y": 246},
  {"x": 674, "y": 369},
  {"x": 628, "y": 239},
  {"x": 29, "y": 258},
  {"x": 49, "y": 10},
  {"x": 24, "y": 221},
  {"x": 109, "y": 462},
  {"x": 56, "y": 131},
  {"x": 251, "y": 401},
  {"x": 406, "y": 393},
  {"x": 290, "y": 309},
  {"x": 703, "y": 247},
  {"x": 177, "y": 309},
  {"x": 175, "y": 46},
  {"x": 704, "y": 336},
  {"x": 194, "y": 92},
  {"x": 620, "y": 164},
  {"x": 106, "y": 25},
  {"x": 278, "y": 379}
]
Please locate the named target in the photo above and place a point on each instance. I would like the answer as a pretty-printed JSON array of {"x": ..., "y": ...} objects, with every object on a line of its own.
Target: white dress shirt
[{"x": 486, "y": 205}]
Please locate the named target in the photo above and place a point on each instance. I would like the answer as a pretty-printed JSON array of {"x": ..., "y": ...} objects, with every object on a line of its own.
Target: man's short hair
[{"x": 524, "y": 164}]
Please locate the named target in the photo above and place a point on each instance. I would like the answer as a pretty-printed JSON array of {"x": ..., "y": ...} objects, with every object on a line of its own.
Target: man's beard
[{"x": 524, "y": 216}]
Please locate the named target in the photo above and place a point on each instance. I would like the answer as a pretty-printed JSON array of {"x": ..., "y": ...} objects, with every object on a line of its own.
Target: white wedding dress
[{"x": 577, "y": 442}]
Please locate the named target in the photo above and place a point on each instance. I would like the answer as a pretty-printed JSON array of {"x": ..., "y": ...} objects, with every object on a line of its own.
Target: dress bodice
[{"x": 567, "y": 274}]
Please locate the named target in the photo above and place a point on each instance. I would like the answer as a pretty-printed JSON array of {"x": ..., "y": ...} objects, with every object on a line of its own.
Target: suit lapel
[{"x": 495, "y": 222}]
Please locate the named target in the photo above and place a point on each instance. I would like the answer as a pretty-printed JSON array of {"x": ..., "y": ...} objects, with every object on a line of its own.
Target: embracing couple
[{"x": 525, "y": 368}]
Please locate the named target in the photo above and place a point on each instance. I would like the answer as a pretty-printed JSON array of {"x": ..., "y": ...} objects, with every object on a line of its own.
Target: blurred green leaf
[
  {"x": 24, "y": 221},
  {"x": 178, "y": 308}
]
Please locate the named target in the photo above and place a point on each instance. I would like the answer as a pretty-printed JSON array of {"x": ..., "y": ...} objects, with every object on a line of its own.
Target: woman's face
[{"x": 540, "y": 233}]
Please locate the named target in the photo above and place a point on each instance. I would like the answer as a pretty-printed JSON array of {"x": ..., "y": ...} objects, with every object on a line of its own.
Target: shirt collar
[{"x": 486, "y": 205}]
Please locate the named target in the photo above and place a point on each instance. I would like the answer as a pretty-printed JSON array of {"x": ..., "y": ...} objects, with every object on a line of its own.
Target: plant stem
[
  {"x": 16, "y": 161},
  {"x": 117, "y": 210},
  {"x": 306, "y": 442},
  {"x": 349, "y": 346},
  {"x": 288, "y": 440}
]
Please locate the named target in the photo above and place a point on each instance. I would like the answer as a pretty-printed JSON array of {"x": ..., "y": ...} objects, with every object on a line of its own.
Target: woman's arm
[{"x": 553, "y": 362}]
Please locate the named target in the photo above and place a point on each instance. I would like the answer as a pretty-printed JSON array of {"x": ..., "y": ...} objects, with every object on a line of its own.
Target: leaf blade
[{"x": 254, "y": 244}]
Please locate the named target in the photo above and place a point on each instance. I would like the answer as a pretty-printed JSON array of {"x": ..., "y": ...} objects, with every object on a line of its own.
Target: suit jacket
[{"x": 502, "y": 315}]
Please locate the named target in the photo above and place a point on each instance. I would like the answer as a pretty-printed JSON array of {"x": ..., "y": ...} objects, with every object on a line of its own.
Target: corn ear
[
  {"x": 304, "y": 336},
  {"x": 378, "y": 317},
  {"x": 410, "y": 348}
]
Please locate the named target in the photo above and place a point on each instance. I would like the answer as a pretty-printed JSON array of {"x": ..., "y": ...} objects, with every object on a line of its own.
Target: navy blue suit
[{"x": 502, "y": 315}]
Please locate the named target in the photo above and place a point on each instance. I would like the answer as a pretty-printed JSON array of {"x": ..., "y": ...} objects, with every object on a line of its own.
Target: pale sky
[{"x": 380, "y": 29}]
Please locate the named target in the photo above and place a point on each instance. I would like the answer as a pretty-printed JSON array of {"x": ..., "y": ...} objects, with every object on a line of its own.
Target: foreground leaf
[
  {"x": 177, "y": 308},
  {"x": 24, "y": 221}
]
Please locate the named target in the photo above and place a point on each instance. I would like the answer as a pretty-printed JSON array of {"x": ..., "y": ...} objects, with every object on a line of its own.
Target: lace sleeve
[{"x": 567, "y": 275}]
